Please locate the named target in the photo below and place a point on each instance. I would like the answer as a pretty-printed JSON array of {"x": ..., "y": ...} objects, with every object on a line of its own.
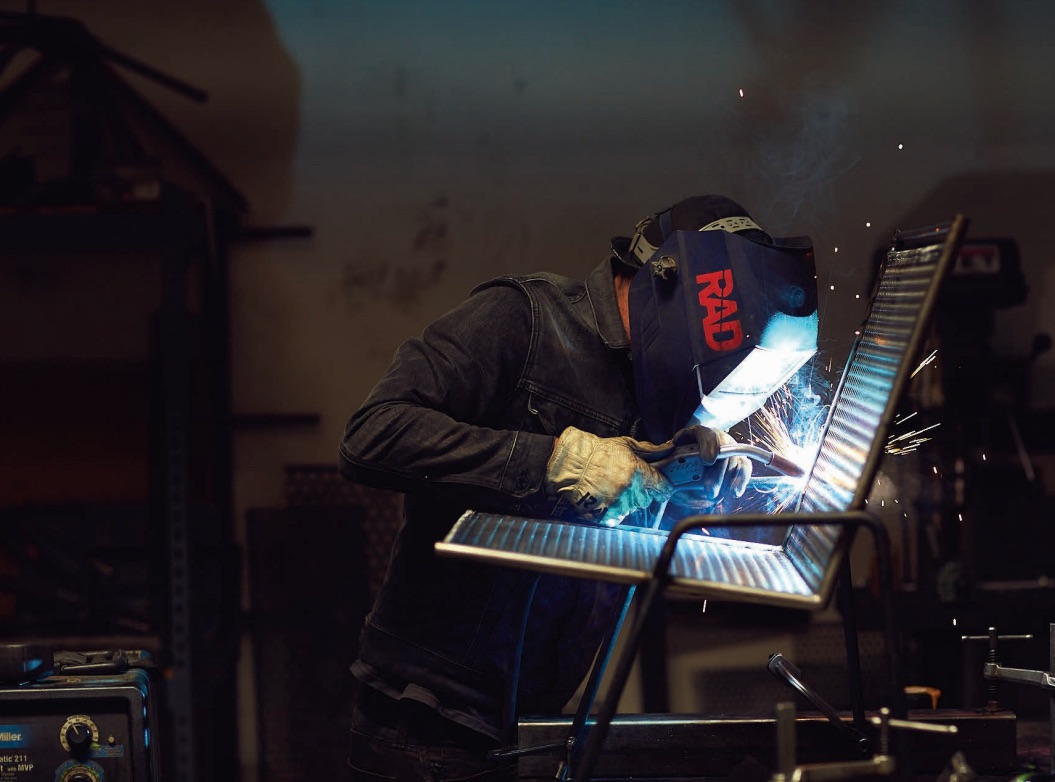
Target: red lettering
[
  {"x": 720, "y": 329},
  {"x": 715, "y": 341},
  {"x": 715, "y": 284}
]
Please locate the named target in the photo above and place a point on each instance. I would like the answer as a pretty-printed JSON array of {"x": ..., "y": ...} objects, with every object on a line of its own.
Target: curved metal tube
[{"x": 781, "y": 464}]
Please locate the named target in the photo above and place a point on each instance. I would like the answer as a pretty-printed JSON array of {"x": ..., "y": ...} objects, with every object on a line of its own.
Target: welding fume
[{"x": 598, "y": 401}]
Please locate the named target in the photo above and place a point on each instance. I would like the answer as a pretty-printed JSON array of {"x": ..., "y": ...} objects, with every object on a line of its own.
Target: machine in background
[{"x": 77, "y": 716}]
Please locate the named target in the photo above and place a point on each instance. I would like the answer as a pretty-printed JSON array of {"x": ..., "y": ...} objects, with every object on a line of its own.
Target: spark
[
  {"x": 790, "y": 424},
  {"x": 896, "y": 443},
  {"x": 833, "y": 287},
  {"x": 954, "y": 622},
  {"x": 914, "y": 432},
  {"x": 907, "y": 442},
  {"x": 909, "y": 447},
  {"x": 900, "y": 146},
  {"x": 836, "y": 249},
  {"x": 741, "y": 92},
  {"x": 704, "y": 611},
  {"x": 924, "y": 362},
  {"x": 868, "y": 225}
]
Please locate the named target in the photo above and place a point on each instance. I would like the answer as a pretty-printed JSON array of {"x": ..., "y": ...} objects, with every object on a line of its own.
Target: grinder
[{"x": 721, "y": 314}]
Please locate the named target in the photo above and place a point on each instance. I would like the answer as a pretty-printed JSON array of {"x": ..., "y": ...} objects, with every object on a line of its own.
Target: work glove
[
  {"x": 603, "y": 479},
  {"x": 721, "y": 478}
]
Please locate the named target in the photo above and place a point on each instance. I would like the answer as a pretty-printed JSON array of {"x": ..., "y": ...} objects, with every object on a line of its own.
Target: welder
[{"x": 555, "y": 398}]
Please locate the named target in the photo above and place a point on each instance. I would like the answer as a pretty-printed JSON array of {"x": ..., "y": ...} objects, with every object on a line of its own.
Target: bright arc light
[
  {"x": 778, "y": 355},
  {"x": 789, "y": 424}
]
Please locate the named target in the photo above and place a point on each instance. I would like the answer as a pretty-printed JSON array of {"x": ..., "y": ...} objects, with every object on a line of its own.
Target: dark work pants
[{"x": 408, "y": 742}]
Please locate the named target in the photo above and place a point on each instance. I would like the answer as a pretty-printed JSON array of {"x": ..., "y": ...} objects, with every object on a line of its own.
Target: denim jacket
[{"x": 466, "y": 417}]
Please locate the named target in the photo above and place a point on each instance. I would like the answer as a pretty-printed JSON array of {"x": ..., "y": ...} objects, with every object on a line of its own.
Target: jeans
[{"x": 406, "y": 741}]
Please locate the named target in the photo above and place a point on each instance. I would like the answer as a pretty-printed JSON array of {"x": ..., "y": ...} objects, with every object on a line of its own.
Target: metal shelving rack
[{"x": 113, "y": 129}]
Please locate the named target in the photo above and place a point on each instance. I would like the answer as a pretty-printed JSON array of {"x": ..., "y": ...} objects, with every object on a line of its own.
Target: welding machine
[{"x": 77, "y": 716}]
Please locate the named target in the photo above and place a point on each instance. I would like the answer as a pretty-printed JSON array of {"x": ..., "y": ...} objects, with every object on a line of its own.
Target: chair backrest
[
  {"x": 800, "y": 571},
  {"x": 876, "y": 376}
]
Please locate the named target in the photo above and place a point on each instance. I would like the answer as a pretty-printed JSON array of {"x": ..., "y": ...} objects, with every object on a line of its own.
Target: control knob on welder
[
  {"x": 79, "y": 738},
  {"x": 78, "y": 774},
  {"x": 79, "y": 771},
  {"x": 74, "y": 771},
  {"x": 77, "y": 735}
]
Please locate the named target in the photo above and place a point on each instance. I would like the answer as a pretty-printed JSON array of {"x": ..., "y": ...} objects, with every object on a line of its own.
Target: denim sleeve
[{"x": 444, "y": 415}]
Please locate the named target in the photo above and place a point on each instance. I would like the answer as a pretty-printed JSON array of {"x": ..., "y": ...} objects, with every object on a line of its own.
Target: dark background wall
[{"x": 430, "y": 146}]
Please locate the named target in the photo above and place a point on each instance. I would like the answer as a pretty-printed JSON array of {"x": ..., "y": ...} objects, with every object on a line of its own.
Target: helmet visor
[{"x": 718, "y": 323}]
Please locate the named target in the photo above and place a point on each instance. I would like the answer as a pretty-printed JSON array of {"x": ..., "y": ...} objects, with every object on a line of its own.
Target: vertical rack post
[{"x": 175, "y": 377}]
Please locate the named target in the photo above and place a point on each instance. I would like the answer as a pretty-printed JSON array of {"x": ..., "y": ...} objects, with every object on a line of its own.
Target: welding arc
[{"x": 781, "y": 464}]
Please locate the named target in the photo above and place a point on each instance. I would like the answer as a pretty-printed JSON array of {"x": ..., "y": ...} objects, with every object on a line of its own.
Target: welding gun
[{"x": 684, "y": 466}]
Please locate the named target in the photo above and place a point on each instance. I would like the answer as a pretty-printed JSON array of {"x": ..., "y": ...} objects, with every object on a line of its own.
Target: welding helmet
[{"x": 721, "y": 314}]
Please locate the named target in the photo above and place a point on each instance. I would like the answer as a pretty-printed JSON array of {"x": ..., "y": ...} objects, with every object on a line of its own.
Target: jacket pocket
[{"x": 551, "y": 416}]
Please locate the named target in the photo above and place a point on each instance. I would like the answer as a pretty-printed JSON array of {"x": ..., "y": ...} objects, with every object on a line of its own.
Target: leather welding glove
[
  {"x": 722, "y": 478},
  {"x": 603, "y": 479}
]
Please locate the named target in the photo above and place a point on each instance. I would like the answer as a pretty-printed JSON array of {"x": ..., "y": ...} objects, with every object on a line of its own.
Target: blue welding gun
[{"x": 684, "y": 466}]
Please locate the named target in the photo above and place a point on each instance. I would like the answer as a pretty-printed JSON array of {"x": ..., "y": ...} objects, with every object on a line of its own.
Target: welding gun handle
[{"x": 683, "y": 466}]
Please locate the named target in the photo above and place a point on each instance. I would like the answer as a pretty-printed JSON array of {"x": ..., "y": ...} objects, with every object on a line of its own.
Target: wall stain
[{"x": 403, "y": 283}]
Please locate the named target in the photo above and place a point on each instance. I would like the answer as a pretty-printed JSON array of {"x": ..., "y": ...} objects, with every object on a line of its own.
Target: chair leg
[{"x": 853, "y": 651}]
